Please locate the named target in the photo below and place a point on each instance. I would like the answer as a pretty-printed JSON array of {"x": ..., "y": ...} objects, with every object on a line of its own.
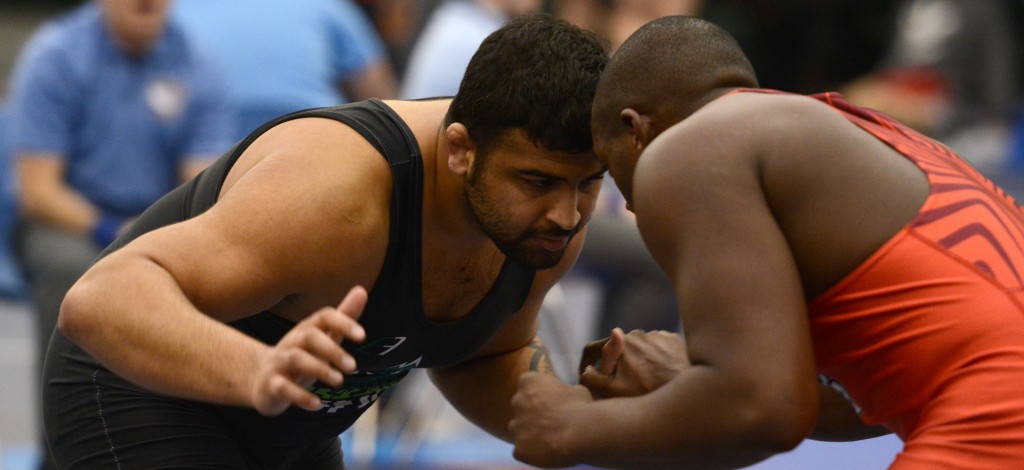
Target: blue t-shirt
[
  {"x": 12, "y": 285},
  {"x": 282, "y": 56},
  {"x": 124, "y": 124}
]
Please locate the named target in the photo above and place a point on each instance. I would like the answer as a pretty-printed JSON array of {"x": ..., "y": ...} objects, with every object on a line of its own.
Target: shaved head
[{"x": 669, "y": 68}]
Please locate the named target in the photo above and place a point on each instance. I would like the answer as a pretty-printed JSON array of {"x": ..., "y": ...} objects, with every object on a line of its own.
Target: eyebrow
[{"x": 543, "y": 174}]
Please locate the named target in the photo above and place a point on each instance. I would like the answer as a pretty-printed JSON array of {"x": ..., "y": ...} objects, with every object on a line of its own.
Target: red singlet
[{"x": 927, "y": 335}]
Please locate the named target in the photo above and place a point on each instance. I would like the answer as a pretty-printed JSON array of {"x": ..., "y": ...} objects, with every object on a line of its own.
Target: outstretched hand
[
  {"x": 310, "y": 351},
  {"x": 637, "y": 363},
  {"x": 542, "y": 408}
]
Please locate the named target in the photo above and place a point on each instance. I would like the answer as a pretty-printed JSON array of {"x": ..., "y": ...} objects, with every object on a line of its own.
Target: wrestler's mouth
[{"x": 552, "y": 243}]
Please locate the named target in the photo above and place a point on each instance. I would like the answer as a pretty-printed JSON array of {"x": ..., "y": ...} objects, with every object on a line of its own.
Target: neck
[
  {"x": 446, "y": 215},
  {"x": 701, "y": 100},
  {"x": 446, "y": 207}
]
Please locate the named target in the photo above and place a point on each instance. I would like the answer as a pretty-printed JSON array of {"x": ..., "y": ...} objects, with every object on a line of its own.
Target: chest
[{"x": 454, "y": 283}]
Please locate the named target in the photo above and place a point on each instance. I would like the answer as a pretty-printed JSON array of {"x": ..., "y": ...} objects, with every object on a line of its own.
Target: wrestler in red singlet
[{"x": 946, "y": 292}]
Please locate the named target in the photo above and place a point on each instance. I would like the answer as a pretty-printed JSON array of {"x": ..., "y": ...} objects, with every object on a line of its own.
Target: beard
[{"x": 514, "y": 244}]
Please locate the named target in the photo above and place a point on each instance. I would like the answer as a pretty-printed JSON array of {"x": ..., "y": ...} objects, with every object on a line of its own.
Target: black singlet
[{"x": 399, "y": 337}]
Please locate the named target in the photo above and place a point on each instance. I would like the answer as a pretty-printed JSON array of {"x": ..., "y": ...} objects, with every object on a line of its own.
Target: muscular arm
[
  {"x": 751, "y": 389},
  {"x": 482, "y": 388},
  {"x": 164, "y": 298}
]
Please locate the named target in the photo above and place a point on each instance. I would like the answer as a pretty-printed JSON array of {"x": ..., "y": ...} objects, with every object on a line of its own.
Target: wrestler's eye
[
  {"x": 540, "y": 183},
  {"x": 589, "y": 182}
]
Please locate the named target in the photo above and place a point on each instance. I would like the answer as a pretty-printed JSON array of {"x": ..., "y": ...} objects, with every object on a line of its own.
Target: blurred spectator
[
  {"x": 111, "y": 107},
  {"x": 635, "y": 293},
  {"x": 806, "y": 46},
  {"x": 615, "y": 20},
  {"x": 283, "y": 56},
  {"x": 12, "y": 285},
  {"x": 952, "y": 73},
  {"x": 399, "y": 23},
  {"x": 450, "y": 38}
]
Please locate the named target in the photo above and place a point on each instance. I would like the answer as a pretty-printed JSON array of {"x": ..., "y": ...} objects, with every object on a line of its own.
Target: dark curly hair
[{"x": 538, "y": 74}]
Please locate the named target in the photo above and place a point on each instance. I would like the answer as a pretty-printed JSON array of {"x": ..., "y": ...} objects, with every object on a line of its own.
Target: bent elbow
[
  {"x": 780, "y": 426},
  {"x": 787, "y": 434},
  {"x": 73, "y": 320}
]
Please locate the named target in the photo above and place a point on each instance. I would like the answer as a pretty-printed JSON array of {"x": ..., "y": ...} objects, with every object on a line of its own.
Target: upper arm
[
  {"x": 307, "y": 219},
  {"x": 703, "y": 214}
]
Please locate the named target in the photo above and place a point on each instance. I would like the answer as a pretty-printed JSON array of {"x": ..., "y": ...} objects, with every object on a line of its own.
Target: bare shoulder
[
  {"x": 310, "y": 173},
  {"x": 304, "y": 215},
  {"x": 756, "y": 131},
  {"x": 314, "y": 149},
  {"x": 834, "y": 190},
  {"x": 754, "y": 118},
  {"x": 716, "y": 160},
  {"x": 316, "y": 175}
]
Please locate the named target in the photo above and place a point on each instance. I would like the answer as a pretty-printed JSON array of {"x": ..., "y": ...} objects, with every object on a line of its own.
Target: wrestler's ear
[
  {"x": 638, "y": 127},
  {"x": 461, "y": 148}
]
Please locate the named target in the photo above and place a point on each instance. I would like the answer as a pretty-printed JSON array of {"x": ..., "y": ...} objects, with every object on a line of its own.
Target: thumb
[{"x": 611, "y": 351}]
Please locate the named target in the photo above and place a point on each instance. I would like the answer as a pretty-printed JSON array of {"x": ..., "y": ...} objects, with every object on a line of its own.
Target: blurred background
[{"x": 949, "y": 68}]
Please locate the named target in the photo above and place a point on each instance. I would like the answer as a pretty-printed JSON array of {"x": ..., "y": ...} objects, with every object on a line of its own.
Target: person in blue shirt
[
  {"x": 281, "y": 57},
  {"x": 12, "y": 285},
  {"x": 111, "y": 107}
]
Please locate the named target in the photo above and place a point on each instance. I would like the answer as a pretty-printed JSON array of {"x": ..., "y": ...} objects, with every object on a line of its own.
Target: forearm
[
  {"x": 46, "y": 197},
  {"x": 497, "y": 378},
  {"x": 60, "y": 207},
  {"x": 130, "y": 314},
  {"x": 698, "y": 420}
]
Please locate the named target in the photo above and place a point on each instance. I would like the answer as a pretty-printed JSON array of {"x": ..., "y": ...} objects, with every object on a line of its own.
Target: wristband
[{"x": 106, "y": 229}]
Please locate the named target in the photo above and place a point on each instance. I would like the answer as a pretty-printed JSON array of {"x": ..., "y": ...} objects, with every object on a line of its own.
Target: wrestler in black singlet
[{"x": 95, "y": 419}]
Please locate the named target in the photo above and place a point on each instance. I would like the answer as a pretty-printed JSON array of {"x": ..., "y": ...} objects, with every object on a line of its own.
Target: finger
[
  {"x": 291, "y": 392},
  {"x": 536, "y": 382},
  {"x": 354, "y": 302},
  {"x": 338, "y": 325},
  {"x": 592, "y": 353},
  {"x": 527, "y": 378},
  {"x": 298, "y": 363},
  {"x": 327, "y": 342},
  {"x": 596, "y": 382},
  {"x": 611, "y": 352},
  {"x": 324, "y": 347}
]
